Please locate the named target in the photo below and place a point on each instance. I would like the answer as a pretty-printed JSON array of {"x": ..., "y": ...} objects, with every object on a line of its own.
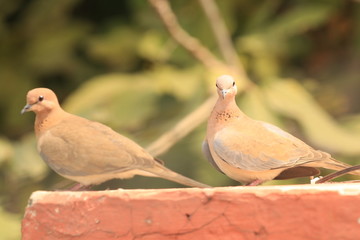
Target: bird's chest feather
[
  {"x": 40, "y": 126},
  {"x": 224, "y": 116},
  {"x": 221, "y": 119}
]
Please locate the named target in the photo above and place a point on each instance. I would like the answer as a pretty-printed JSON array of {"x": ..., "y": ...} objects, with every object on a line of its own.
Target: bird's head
[
  {"x": 226, "y": 86},
  {"x": 40, "y": 100}
]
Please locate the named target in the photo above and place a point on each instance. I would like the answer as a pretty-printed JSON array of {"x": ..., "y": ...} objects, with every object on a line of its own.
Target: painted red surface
[{"x": 269, "y": 212}]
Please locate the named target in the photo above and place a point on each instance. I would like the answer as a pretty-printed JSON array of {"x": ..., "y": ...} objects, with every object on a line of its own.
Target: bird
[
  {"x": 89, "y": 152},
  {"x": 253, "y": 152}
]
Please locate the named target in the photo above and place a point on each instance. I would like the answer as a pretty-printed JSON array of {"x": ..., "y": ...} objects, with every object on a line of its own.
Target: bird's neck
[{"x": 45, "y": 120}]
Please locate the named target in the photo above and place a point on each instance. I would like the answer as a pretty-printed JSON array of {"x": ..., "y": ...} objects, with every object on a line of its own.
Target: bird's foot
[
  {"x": 255, "y": 182},
  {"x": 80, "y": 187}
]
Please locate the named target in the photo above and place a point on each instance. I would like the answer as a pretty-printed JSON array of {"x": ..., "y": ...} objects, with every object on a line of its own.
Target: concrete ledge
[{"x": 327, "y": 211}]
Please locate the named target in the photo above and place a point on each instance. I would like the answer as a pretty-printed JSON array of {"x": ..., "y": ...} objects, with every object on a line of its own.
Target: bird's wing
[
  {"x": 207, "y": 153},
  {"x": 260, "y": 147},
  {"x": 79, "y": 147}
]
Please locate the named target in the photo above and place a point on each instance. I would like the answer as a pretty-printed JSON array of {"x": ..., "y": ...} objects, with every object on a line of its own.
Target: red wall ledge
[{"x": 328, "y": 211}]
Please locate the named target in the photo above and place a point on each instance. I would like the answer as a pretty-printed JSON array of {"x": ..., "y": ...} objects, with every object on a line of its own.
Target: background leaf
[{"x": 291, "y": 99}]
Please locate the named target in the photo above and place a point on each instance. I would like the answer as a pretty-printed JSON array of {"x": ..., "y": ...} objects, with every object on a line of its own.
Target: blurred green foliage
[{"x": 113, "y": 62}]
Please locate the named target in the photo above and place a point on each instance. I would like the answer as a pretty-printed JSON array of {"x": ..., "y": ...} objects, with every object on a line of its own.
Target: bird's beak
[
  {"x": 224, "y": 92},
  {"x": 26, "y": 108}
]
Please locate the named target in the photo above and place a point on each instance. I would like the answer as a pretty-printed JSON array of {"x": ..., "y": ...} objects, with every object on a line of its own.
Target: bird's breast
[
  {"x": 220, "y": 120},
  {"x": 224, "y": 116}
]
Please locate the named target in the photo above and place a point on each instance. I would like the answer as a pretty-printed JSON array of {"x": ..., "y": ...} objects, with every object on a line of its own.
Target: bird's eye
[
  {"x": 216, "y": 85},
  {"x": 41, "y": 98},
  {"x": 233, "y": 83}
]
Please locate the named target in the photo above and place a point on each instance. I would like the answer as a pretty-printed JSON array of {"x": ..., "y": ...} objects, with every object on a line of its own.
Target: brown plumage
[
  {"x": 251, "y": 151},
  {"x": 89, "y": 152}
]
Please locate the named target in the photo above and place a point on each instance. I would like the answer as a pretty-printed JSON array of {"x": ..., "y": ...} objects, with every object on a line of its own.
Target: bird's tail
[
  {"x": 337, "y": 165},
  {"x": 163, "y": 172}
]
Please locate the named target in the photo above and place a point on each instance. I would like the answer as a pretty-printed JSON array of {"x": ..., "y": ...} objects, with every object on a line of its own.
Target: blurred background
[{"x": 297, "y": 64}]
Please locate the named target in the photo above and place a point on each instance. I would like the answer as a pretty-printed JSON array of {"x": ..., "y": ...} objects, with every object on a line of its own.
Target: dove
[
  {"x": 251, "y": 151},
  {"x": 89, "y": 152}
]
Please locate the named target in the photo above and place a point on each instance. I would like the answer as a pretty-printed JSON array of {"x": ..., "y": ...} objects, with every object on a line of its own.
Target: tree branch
[
  {"x": 337, "y": 174},
  {"x": 222, "y": 36},
  {"x": 190, "y": 43},
  {"x": 182, "y": 128}
]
